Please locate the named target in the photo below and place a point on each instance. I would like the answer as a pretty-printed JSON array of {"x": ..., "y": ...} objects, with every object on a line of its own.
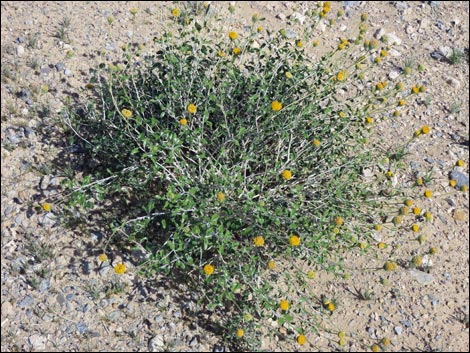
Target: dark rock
[
  {"x": 60, "y": 67},
  {"x": 25, "y": 95}
]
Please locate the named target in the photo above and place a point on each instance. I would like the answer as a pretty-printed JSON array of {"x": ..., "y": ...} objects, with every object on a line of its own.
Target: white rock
[
  {"x": 321, "y": 26},
  {"x": 298, "y": 17},
  {"x": 393, "y": 38},
  {"x": 393, "y": 75},
  {"x": 156, "y": 343},
  {"x": 453, "y": 82},
  {"x": 427, "y": 261},
  {"x": 423, "y": 25},
  {"x": 37, "y": 342},
  {"x": 394, "y": 52},
  {"x": 379, "y": 33},
  {"x": 421, "y": 277},
  {"x": 281, "y": 16},
  {"x": 20, "y": 50},
  {"x": 410, "y": 29},
  {"x": 343, "y": 28},
  {"x": 7, "y": 308},
  {"x": 446, "y": 51}
]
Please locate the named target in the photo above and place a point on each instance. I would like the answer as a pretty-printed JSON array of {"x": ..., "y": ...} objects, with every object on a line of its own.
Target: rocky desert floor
[{"x": 52, "y": 284}]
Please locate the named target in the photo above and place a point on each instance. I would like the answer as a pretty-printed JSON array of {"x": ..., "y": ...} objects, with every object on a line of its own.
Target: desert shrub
[{"x": 223, "y": 152}]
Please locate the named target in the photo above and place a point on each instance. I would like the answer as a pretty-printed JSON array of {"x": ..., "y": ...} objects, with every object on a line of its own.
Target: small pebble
[{"x": 398, "y": 330}]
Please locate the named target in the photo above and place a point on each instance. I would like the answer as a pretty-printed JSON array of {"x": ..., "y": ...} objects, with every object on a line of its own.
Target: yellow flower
[
  {"x": 460, "y": 163},
  {"x": 233, "y": 35},
  {"x": 342, "y": 342},
  {"x": 415, "y": 228},
  {"x": 433, "y": 250},
  {"x": 126, "y": 113},
  {"x": 422, "y": 88},
  {"x": 416, "y": 211},
  {"x": 183, "y": 121},
  {"x": 383, "y": 53},
  {"x": 389, "y": 174},
  {"x": 220, "y": 196},
  {"x": 425, "y": 129},
  {"x": 331, "y": 307},
  {"x": 417, "y": 260},
  {"x": 341, "y": 334},
  {"x": 133, "y": 11},
  {"x": 255, "y": 17},
  {"x": 380, "y": 86},
  {"x": 397, "y": 220},
  {"x": 237, "y": 51},
  {"x": 464, "y": 188},
  {"x": 335, "y": 230},
  {"x": 208, "y": 269},
  {"x": 390, "y": 266},
  {"x": 339, "y": 221},
  {"x": 417, "y": 133},
  {"x": 385, "y": 341},
  {"x": 311, "y": 274},
  {"x": 299, "y": 43},
  {"x": 175, "y": 12},
  {"x": 275, "y": 105},
  {"x": 259, "y": 241},
  {"x": 375, "y": 348},
  {"x": 364, "y": 17},
  {"x": 301, "y": 339},
  {"x": 362, "y": 245},
  {"x": 378, "y": 227},
  {"x": 120, "y": 269},
  {"x": 378, "y": 60},
  {"x": 341, "y": 76},
  {"x": 259, "y": 29},
  {"x": 271, "y": 264},
  {"x": 419, "y": 181},
  {"x": 408, "y": 202},
  {"x": 294, "y": 240},
  {"x": 369, "y": 120},
  {"x": 316, "y": 42},
  {"x": 286, "y": 174},
  {"x": 316, "y": 142},
  {"x": 221, "y": 53},
  {"x": 341, "y": 46},
  {"x": 46, "y": 207},
  {"x": 342, "y": 115},
  {"x": 192, "y": 108},
  {"x": 240, "y": 333},
  {"x": 284, "y": 305},
  {"x": 381, "y": 245},
  {"x": 427, "y": 215},
  {"x": 428, "y": 193},
  {"x": 288, "y": 74},
  {"x": 415, "y": 89},
  {"x": 396, "y": 113},
  {"x": 102, "y": 257},
  {"x": 452, "y": 182}
]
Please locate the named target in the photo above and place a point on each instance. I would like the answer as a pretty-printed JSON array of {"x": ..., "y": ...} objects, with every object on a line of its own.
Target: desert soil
[{"x": 52, "y": 285}]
